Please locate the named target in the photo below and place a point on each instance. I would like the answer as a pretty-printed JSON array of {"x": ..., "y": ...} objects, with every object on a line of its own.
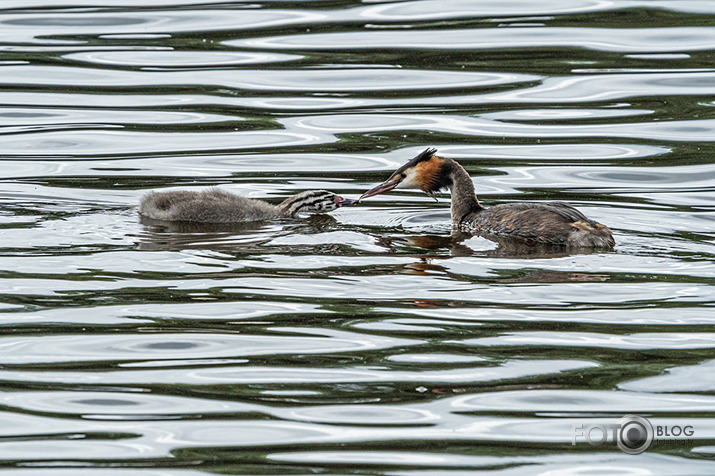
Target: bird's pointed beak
[
  {"x": 345, "y": 202},
  {"x": 382, "y": 188}
]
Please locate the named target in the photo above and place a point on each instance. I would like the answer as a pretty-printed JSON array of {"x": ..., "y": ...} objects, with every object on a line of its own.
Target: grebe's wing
[{"x": 551, "y": 222}]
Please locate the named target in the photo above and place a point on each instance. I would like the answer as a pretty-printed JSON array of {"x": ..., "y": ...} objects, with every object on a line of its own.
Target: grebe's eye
[{"x": 403, "y": 175}]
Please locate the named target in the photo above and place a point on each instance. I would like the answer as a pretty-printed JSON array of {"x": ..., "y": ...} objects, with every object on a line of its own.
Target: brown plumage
[
  {"x": 551, "y": 223},
  {"x": 216, "y": 206}
]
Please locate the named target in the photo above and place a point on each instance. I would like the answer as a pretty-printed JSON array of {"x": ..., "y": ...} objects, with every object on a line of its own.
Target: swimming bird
[
  {"x": 550, "y": 223},
  {"x": 217, "y": 206}
]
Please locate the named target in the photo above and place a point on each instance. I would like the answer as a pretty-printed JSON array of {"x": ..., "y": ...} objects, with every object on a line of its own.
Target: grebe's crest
[
  {"x": 426, "y": 172},
  {"x": 423, "y": 156}
]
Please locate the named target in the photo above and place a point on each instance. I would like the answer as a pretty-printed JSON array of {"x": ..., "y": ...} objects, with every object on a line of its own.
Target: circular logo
[{"x": 635, "y": 434}]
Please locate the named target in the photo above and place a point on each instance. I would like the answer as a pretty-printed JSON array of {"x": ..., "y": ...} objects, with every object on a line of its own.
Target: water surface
[{"x": 371, "y": 340}]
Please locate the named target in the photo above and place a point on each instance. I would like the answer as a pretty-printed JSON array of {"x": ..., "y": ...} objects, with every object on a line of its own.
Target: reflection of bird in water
[
  {"x": 454, "y": 243},
  {"x": 552, "y": 223},
  {"x": 457, "y": 244},
  {"x": 217, "y": 206},
  {"x": 247, "y": 237}
]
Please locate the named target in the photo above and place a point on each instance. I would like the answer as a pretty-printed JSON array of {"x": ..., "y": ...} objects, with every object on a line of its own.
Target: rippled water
[{"x": 367, "y": 341}]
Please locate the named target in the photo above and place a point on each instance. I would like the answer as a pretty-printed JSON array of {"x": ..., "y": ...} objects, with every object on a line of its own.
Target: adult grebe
[
  {"x": 551, "y": 223},
  {"x": 217, "y": 206}
]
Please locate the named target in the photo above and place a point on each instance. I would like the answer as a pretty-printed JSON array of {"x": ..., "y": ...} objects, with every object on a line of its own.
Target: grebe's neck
[
  {"x": 464, "y": 201},
  {"x": 291, "y": 206}
]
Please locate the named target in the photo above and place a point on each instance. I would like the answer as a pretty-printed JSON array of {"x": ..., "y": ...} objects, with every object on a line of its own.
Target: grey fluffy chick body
[{"x": 217, "y": 206}]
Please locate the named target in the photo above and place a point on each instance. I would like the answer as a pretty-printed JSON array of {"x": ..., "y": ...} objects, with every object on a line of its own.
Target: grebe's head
[
  {"x": 426, "y": 172},
  {"x": 316, "y": 201}
]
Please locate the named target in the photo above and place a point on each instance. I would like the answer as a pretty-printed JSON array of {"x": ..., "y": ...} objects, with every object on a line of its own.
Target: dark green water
[{"x": 367, "y": 341}]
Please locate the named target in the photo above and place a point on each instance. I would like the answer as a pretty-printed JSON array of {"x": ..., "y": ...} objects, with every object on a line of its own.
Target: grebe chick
[
  {"x": 217, "y": 206},
  {"x": 552, "y": 223}
]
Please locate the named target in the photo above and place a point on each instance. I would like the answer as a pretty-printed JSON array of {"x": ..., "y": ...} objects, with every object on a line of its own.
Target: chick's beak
[
  {"x": 345, "y": 202},
  {"x": 384, "y": 187}
]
